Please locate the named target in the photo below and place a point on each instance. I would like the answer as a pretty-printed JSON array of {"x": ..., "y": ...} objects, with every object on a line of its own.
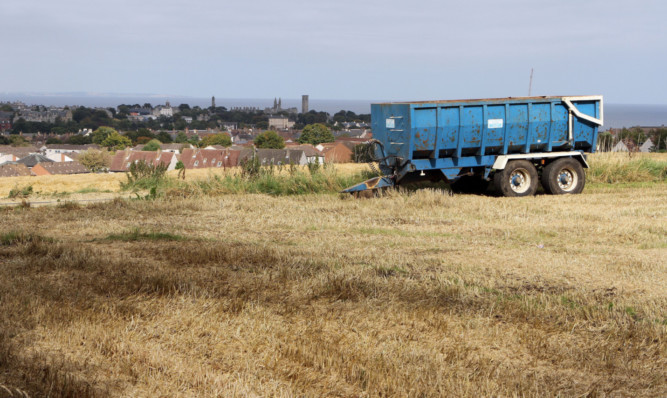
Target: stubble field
[{"x": 412, "y": 294}]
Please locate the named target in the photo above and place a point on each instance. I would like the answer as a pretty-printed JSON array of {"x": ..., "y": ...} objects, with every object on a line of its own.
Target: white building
[
  {"x": 280, "y": 122},
  {"x": 647, "y": 146}
]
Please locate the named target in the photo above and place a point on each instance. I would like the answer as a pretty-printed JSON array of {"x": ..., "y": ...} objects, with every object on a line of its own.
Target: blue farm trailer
[{"x": 515, "y": 143}]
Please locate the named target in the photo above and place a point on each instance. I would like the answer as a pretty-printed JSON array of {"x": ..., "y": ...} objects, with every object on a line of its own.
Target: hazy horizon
[{"x": 616, "y": 115}]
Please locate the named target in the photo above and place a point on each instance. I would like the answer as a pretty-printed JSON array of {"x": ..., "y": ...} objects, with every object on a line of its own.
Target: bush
[
  {"x": 262, "y": 179},
  {"x": 152, "y": 145},
  {"x": 222, "y": 139},
  {"x": 96, "y": 161},
  {"x": 269, "y": 139},
  {"x": 20, "y": 192},
  {"x": 316, "y": 134},
  {"x": 251, "y": 167},
  {"x": 145, "y": 176}
]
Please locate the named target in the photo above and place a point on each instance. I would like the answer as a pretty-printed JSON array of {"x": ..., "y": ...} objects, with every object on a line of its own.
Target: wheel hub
[
  {"x": 566, "y": 179},
  {"x": 519, "y": 180}
]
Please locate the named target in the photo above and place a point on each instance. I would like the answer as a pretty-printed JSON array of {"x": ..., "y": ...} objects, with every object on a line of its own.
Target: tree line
[{"x": 202, "y": 119}]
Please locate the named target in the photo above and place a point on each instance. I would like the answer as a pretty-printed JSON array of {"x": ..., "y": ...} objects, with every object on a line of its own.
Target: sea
[{"x": 615, "y": 115}]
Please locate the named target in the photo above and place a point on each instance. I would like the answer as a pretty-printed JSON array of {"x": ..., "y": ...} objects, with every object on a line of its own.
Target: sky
[{"x": 342, "y": 49}]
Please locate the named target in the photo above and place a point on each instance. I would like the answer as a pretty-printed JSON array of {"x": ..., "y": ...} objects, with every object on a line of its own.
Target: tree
[
  {"x": 79, "y": 140},
  {"x": 20, "y": 126},
  {"x": 123, "y": 111},
  {"x": 605, "y": 141},
  {"x": 96, "y": 161},
  {"x": 270, "y": 139},
  {"x": 163, "y": 136},
  {"x": 101, "y": 134},
  {"x": 116, "y": 141},
  {"x": 53, "y": 140},
  {"x": 635, "y": 134},
  {"x": 181, "y": 138},
  {"x": 4, "y": 140},
  {"x": 659, "y": 138},
  {"x": 216, "y": 139},
  {"x": 81, "y": 113},
  {"x": 312, "y": 117},
  {"x": 180, "y": 124},
  {"x": 141, "y": 140},
  {"x": 152, "y": 145},
  {"x": 17, "y": 140},
  {"x": 316, "y": 134}
]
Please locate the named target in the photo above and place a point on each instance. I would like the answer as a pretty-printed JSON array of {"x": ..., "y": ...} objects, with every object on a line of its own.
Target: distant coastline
[{"x": 615, "y": 115}]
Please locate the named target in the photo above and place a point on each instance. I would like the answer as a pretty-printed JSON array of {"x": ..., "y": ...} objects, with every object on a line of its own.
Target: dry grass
[
  {"x": 413, "y": 294},
  {"x": 606, "y": 168},
  {"x": 96, "y": 185}
]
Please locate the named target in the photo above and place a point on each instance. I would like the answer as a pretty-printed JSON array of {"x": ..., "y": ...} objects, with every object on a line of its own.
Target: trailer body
[{"x": 456, "y": 138}]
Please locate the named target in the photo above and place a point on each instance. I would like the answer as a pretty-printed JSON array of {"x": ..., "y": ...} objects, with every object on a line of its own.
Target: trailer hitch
[{"x": 373, "y": 184}]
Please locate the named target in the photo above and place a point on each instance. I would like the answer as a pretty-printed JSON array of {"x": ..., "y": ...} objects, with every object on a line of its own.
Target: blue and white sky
[{"x": 337, "y": 49}]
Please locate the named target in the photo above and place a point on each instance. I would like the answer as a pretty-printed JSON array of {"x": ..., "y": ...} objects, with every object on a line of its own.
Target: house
[
  {"x": 6, "y": 121},
  {"x": 336, "y": 152},
  {"x": 272, "y": 156},
  {"x": 229, "y": 126},
  {"x": 311, "y": 153},
  {"x": 12, "y": 154},
  {"x": 194, "y": 158},
  {"x": 123, "y": 159},
  {"x": 622, "y": 147},
  {"x": 49, "y": 150},
  {"x": 175, "y": 148},
  {"x": 276, "y": 157},
  {"x": 14, "y": 170},
  {"x": 647, "y": 146},
  {"x": 163, "y": 110},
  {"x": 44, "y": 169},
  {"x": 60, "y": 157},
  {"x": 50, "y": 115},
  {"x": 280, "y": 122},
  {"x": 296, "y": 157},
  {"x": 31, "y": 160}
]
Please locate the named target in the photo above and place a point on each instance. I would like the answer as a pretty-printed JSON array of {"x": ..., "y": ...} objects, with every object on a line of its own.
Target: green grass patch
[
  {"x": 20, "y": 192},
  {"x": 16, "y": 238},
  {"x": 136, "y": 234},
  {"x": 92, "y": 190},
  {"x": 626, "y": 170},
  {"x": 271, "y": 180},
  {"x": 322, "y": 181}
]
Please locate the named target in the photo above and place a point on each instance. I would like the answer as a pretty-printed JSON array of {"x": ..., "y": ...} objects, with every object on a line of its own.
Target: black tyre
[
  {"x": 518, "y": 178},
  {"x": 470, "y": 184},
  {"x": 563, "y": 176}
]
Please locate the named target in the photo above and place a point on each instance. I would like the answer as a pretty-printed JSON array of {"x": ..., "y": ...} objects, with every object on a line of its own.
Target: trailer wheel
[
  {"x": 518, "y": 178},
  {"x": 563, "y": 176}
]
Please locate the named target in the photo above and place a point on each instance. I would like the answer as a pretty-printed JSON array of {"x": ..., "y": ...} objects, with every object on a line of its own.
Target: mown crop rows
[{"x": 412, "y": 294}]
